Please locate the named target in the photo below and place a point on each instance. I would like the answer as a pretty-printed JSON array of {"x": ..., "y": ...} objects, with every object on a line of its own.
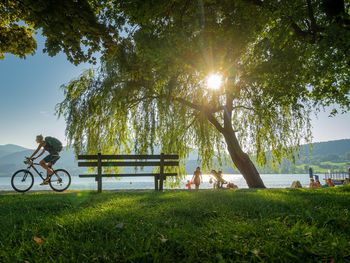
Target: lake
[{"x": 270, "y": 180}]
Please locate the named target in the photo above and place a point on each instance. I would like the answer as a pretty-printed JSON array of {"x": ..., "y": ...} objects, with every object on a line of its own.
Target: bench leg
[{"x": 156, "y": 183}]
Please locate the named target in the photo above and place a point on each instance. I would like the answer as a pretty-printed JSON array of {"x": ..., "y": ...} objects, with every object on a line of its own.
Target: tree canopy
[
  {"x": 70, "y": 26},
  {"x": 279, "y": 60}
]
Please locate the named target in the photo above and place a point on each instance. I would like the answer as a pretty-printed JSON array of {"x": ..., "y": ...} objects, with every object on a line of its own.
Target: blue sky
[{"x": 30, "y": 89}]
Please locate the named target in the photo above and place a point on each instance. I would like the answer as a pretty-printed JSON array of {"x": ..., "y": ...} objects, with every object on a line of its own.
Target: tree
[
  {"x": 279, "y": 60},
  {"x": 157, "y": 78},
  {"x": 69, "y": 26}
]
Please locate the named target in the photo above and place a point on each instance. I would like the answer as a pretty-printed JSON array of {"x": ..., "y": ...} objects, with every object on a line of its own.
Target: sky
[{"x": 30, "y": 90}]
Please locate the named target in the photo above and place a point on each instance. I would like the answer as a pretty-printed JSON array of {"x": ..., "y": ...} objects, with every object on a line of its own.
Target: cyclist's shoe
[{"x": 46, "y": 181}]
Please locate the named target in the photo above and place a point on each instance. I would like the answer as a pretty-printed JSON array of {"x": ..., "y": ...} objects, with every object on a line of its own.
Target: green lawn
[{"x": 205, "y": 226}]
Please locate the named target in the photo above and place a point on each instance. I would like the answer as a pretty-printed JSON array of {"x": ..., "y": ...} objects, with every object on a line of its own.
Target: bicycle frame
[{"x": 32, "y": 165}]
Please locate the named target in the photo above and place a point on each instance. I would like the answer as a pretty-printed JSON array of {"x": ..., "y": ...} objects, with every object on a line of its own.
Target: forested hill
[
  {"x": 334, "y": 155},
  {"x": 339, "y": 147},
  {"x": 322, "y": 156}
]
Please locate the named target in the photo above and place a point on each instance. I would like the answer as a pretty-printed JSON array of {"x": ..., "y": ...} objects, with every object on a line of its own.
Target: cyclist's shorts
[{"x": 52, "y": 158}]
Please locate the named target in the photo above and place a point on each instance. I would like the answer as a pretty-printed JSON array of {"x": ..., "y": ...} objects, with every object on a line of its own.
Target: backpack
[{"x": 54, "y": 143}]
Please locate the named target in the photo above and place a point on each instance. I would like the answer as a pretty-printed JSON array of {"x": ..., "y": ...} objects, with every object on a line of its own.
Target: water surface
[{"x": 270, "y": 180}]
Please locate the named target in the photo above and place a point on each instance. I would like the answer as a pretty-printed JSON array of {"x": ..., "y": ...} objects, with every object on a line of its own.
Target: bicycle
[{"x": 23, "y": 180}]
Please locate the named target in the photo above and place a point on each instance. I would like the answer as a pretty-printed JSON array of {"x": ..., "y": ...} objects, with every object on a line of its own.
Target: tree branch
[
  {"x": 299, "y": 32},
  {"x": 228, "y": 109},
  {"x": 314, "y": 26},
  {"x": 243, "y": 107},
  {"x": 215, "y": 122},
  {"x": 198, "y": 107},
  {"x": 202, "y": 109},
  {"x": 190, "y": 104},
  {"x": 207, "y": 111}
]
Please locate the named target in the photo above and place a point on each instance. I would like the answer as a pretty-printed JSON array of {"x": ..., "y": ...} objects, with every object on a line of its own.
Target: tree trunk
[
  {"x": 239, "y": 158},
  {"x": 242, "y": 160}
]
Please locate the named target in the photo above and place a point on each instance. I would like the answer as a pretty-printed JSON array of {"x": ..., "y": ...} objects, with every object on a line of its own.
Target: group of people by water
[
  {"x": 315, "y": 183},
  {"x": 216, "y": 178}
]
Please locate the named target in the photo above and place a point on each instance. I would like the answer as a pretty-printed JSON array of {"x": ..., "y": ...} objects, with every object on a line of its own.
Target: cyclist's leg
[
  {"x": 47, "y": 168},
  {"x": 44, "y": 163},
  {"x": 54, "y": 158}
]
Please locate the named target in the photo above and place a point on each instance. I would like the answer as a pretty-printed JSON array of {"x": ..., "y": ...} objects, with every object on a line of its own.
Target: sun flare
[{"x": 214, "y": 81}]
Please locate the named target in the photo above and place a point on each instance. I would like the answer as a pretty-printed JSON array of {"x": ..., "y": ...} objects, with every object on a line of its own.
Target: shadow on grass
[{"x": 270, "y": 225}]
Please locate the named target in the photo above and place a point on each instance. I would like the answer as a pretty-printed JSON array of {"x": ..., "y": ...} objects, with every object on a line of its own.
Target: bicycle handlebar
[{"x": 28, "y": 160}]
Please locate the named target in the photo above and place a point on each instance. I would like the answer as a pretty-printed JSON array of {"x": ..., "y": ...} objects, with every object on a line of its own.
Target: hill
[
  {"x": 321, "y": 156},
  {"x": 10, "y": 148},
  {"x": 321, "y": 149},
  {"x": 334, "y": 155}
]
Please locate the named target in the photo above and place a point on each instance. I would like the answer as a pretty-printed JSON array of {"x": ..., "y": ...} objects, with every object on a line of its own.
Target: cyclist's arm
[
  {"x": 36, "y": 151},
  {"x": 39, "y": 154}
]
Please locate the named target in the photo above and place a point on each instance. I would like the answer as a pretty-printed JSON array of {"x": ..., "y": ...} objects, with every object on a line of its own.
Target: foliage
[
  {"x": 271, "y": 65},
  {"x": 156, "y": 81},
  {"x": 69, "y": 26},
  {"x": 205, "y": 226}
]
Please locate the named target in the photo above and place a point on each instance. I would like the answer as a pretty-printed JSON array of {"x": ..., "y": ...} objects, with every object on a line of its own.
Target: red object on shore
[{"x": 188, "y": 185}]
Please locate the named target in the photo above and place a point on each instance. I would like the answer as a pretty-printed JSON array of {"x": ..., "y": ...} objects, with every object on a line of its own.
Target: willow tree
[
  {"x": 152, "y": 91},
  {"x": 278, "y": 61}
]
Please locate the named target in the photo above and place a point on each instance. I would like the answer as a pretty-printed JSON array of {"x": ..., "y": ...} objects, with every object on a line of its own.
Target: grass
[{"x": 206, "y": 226}]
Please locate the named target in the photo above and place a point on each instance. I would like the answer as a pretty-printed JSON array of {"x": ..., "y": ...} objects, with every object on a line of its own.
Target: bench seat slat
[
  {"x": 129, "y": 157},
  {"x": 125, "y": 175},
  {"x": 140, "y": 163}
]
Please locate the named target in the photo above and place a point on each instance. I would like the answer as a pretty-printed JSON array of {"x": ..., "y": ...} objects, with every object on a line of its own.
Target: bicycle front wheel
[
  {"x": 22, "y": 180},
  {"x": 60, "y": 180}
]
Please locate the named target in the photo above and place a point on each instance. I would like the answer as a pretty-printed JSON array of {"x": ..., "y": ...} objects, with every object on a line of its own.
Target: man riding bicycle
[{"x": 53, "y": 146}]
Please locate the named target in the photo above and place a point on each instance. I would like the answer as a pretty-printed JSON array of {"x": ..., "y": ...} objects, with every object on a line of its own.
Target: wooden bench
[{"x": 99, "y": 161}]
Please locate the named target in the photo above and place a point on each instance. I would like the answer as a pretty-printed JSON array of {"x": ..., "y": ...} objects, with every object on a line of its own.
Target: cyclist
[{"x": 53, "y": 146}]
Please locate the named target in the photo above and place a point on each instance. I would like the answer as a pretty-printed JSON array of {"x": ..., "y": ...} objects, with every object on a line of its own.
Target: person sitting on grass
[
  {"x": 197, "y": 177},
  {"x": 296, "y": 184},
  {"x": 312, "y": 183},
  {"x": 53, "y": 146},
  {"x": 231, "y": 186},
  {"x": 318, "y": 183},
  {"x": 330, "y": 182},
  {"x": 218, "y": 178},
  {"x": 221, "y": 179}
]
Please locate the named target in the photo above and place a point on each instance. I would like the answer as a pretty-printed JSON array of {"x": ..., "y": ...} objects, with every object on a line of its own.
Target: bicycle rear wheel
[
  {"x": 22, "y": 180},
  {"x": 60, "y": 180}
]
